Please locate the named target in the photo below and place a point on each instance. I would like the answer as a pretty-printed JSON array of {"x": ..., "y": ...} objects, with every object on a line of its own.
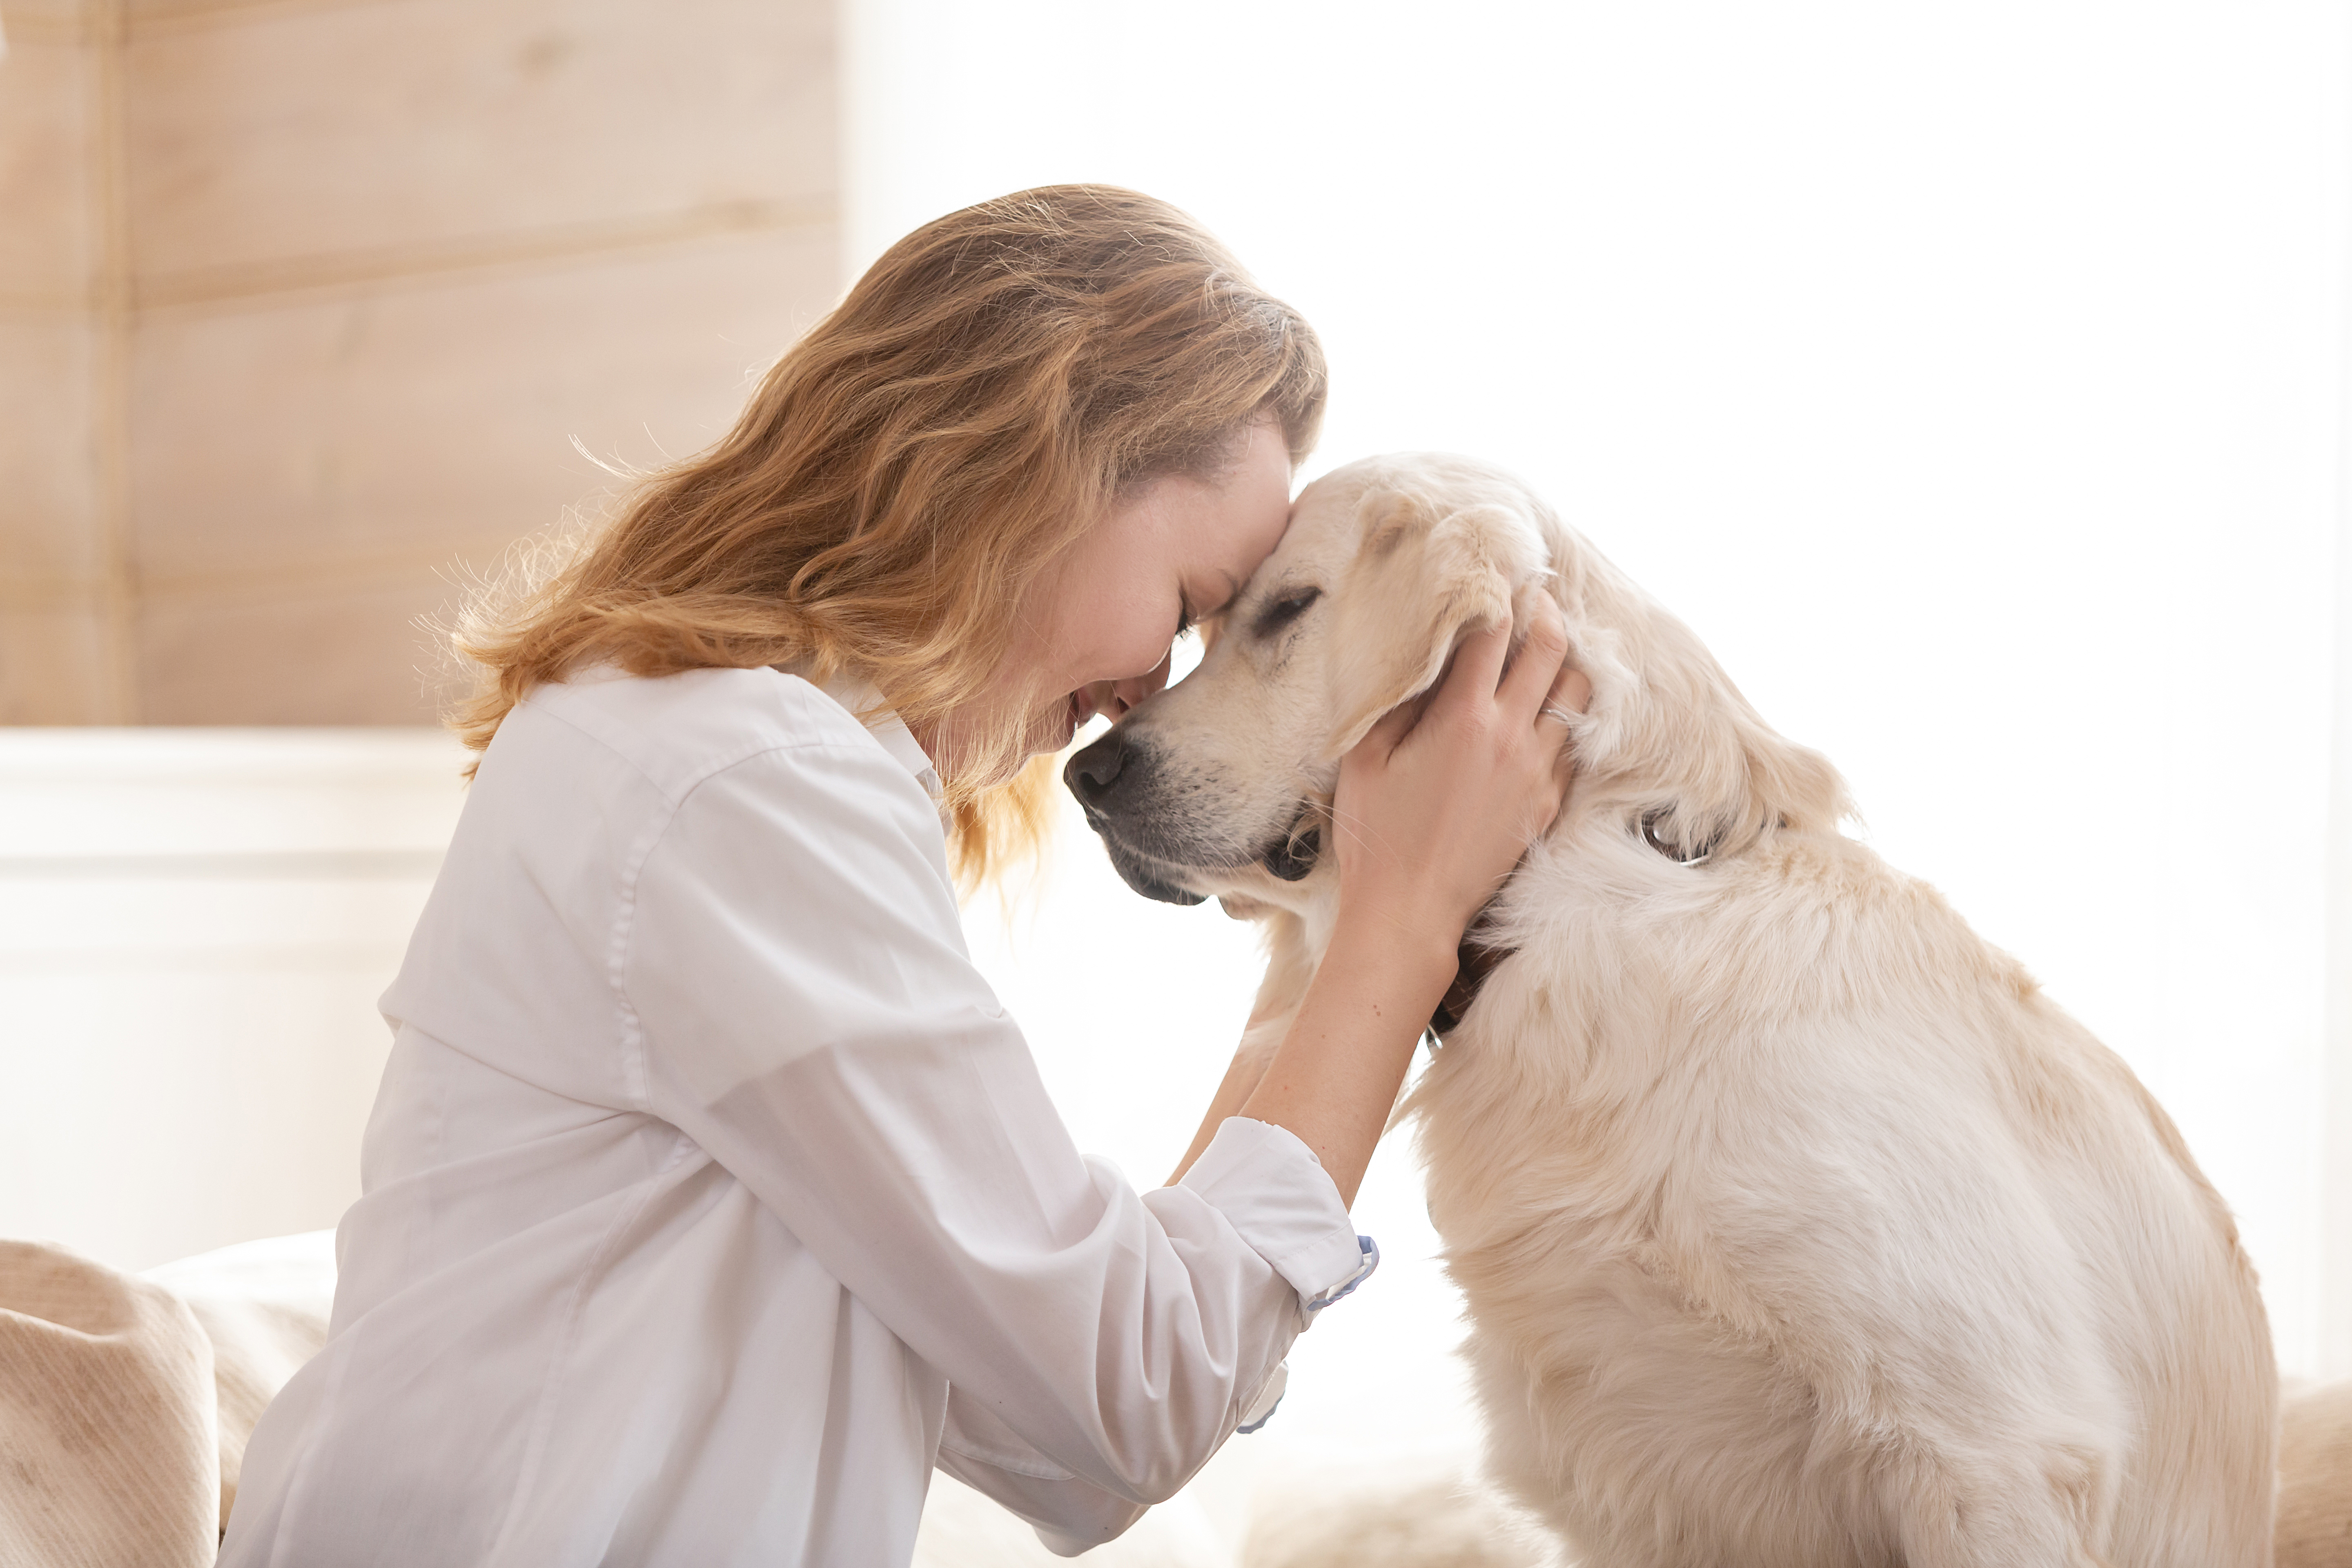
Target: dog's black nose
[{"x": 1094, "y": 773}]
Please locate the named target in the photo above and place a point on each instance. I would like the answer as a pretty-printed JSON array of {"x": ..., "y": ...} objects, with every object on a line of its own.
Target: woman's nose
[
  {"x": 1135, "y": 688},
  {"x": 1114, "y": 698}
]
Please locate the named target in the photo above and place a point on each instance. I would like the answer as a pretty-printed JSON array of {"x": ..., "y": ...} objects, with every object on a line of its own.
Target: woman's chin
[
  {"x": 1049, "y": 731},
  {"x": 1061, "y": 723},
  {"x": 1052, "y": 731}
]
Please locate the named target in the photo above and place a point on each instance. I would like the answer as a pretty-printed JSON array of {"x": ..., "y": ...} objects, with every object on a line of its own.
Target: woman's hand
[
  {"x": 1434, "y": 806},
  {"x": 1441, "y": 798}
]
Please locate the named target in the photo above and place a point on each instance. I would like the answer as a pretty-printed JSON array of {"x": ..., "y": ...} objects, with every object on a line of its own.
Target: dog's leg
[
  {"x": 1997, "y": 1510},
  {"x": 1289, "y": 967},
  {"x": 1648, "y": 1439}
]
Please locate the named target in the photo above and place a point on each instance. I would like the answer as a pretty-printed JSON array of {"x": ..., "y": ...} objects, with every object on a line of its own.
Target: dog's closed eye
[{"x": 1277, "y": 617}]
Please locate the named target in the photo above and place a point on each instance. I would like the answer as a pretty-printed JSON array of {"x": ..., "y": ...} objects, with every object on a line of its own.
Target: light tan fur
[
  {"x": 1796, "y": 1226},
  {"x": 2314, "y": 1511}
]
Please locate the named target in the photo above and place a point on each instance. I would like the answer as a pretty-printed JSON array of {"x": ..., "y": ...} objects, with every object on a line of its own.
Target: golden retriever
[{"x": 1796, "y": 1226}]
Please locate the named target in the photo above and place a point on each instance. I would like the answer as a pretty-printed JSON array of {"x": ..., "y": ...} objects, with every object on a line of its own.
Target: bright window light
[{"x": 1967, "y": 376}]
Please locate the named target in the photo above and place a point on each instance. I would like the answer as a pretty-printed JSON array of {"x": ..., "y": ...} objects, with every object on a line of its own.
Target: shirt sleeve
[
  {"x": 1070, "y": 1515},
  {"x": 804, "y": 1008}
]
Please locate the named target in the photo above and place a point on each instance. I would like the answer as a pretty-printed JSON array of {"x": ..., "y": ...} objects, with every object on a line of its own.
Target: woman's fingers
[
  {"x": 1477, "y": 668},
  {"x": 1484, "y": 669},
  {"x": 1571, "y": 693},
  {"x": 1527, "y": 690},
  {"x": 1471, "y": 675},
  {"x": 1389, "y": 730}
]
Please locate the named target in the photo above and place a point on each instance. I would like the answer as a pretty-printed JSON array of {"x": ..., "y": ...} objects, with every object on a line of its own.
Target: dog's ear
[
  {"x": 1789, "y": 785},
  {"x": 1423, "y": 578},
  {"x": 1670, "y": 734}
]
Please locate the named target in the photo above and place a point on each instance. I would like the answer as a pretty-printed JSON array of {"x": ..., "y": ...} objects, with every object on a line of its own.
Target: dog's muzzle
[
  {"x": 1123, "y": 796},
  {"x": 1095, "y": 776}
]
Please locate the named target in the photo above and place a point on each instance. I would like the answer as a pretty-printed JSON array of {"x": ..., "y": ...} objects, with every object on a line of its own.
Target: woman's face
[{"x": 1094, "y": 635}]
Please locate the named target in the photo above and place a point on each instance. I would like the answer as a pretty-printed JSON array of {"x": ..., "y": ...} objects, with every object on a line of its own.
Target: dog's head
[{"x": 1221, "y": 785}]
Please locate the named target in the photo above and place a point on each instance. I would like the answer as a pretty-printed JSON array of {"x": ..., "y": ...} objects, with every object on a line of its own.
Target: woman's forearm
[{"x": 1334, "y": 1079}]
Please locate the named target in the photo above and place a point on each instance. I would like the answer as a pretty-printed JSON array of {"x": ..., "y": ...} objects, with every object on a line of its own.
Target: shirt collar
[{"x": 865, "y": 702}]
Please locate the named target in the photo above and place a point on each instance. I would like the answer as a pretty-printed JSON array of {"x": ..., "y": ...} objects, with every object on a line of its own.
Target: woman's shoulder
[{"x": 677, "y": 730}]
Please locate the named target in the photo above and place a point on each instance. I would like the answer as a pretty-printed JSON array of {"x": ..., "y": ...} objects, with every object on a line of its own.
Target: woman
[{"x": 709, "y": 1197}]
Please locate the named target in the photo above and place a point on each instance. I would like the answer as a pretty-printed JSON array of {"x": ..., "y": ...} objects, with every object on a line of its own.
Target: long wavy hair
[{"x": 903, "y": 475}]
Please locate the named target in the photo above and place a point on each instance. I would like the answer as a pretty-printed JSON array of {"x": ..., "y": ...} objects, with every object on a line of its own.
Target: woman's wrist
[
  {"x": 1409, "y": 943},
  {"x": 1334, "y": 1079}
]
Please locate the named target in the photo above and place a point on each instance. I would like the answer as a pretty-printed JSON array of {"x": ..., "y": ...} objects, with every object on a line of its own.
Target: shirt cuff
[
  {"x": 1279, "y": 1199},
  {"x": 1269, "y": 1398}
]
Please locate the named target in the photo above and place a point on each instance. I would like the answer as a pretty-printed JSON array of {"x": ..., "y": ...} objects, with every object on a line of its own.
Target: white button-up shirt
[{"x": 711, "y": 1198}]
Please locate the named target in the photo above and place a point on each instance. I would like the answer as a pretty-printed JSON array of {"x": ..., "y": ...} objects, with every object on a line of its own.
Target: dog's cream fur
[{"x": 1796, "y": 1226}]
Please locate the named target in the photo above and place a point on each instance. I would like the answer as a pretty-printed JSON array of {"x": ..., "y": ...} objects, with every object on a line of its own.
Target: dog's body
[{"x": 1795, "y": 1225}]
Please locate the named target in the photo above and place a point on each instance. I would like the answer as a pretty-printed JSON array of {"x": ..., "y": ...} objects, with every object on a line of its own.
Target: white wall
[
  {"x": 194, "y": 926},
  {"x": 1968, "y": 376}
]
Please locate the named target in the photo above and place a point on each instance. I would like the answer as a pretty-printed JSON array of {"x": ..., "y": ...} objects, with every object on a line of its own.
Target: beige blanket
[
  {"x": 108, "y": 1439},
  {"x": 2315, "y": 1508},
  {"x": 126, "y": 1401}
]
